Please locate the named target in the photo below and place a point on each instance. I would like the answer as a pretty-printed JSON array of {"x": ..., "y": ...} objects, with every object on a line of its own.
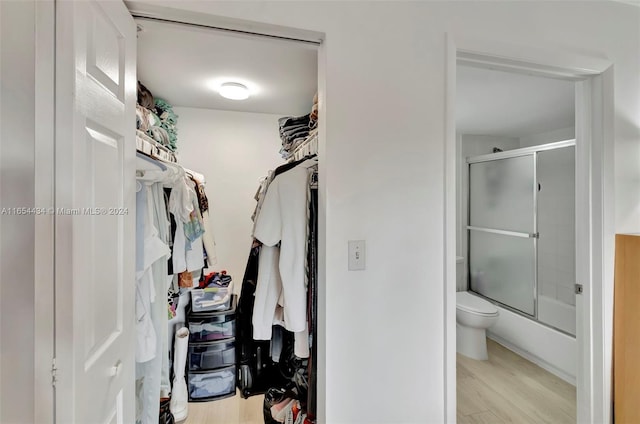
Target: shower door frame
[{"x": 535, "y": 235}]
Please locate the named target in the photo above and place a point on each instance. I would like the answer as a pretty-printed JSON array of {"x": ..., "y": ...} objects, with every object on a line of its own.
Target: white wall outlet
[{"x": 356, "y": 255}]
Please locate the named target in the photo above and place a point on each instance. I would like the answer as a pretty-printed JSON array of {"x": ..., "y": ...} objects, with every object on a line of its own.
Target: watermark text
[{"x": 94, "y": 211}]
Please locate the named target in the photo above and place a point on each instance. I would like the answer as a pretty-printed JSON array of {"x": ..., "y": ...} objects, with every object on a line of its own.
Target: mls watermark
[{"x": 65, "y": 211}]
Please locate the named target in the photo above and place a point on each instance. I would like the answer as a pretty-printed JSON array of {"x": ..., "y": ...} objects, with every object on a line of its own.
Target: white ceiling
[
  {"x": 178, "y": 63},
  {"x": 491, "y": 102}
]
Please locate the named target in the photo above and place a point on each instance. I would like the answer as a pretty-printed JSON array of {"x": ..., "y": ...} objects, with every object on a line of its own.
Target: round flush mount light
[{"x": 234, "y": 91}]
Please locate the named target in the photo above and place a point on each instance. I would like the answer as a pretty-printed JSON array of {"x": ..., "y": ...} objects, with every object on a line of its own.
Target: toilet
[{"x": 473, "y": 316}]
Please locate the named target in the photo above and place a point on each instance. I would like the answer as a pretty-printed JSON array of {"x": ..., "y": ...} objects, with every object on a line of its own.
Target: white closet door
[{"x": 95, "y": 215}]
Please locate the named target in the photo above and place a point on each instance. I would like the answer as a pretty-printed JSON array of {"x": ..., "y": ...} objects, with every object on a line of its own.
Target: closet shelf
[{"x": 150, "y": 147}]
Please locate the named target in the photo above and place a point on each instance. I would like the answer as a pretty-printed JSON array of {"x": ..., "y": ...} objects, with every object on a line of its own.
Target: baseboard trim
[{"x": 533, "y": 358}]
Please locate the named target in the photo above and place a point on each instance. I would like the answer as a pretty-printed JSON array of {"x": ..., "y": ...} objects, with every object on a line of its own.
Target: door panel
[
  {"x": 502, "y": 268},
  {"x": 501, "y": 194},
  {"x": 106, "y": 52},
  {"x": 102, "y": 292},
  {"x": 502, "y": 256},
  {"x": 557, "y": 246},
  {"x": 95, "y": 219}
]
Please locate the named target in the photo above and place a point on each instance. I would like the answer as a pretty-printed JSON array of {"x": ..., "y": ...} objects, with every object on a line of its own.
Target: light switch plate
[{"x": 356, "y": 255}]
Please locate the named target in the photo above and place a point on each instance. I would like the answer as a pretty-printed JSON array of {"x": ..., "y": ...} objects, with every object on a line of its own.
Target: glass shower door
[
  {"x": 556, "y": 245},
  {"x": 502, "y": 231}
]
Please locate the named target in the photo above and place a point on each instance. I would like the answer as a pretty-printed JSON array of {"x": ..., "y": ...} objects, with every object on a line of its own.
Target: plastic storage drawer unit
[
  {"x": 209, "y": 326},
  {"x": 211, "y": 299},
  {"x": 212, "y": 385},
  {"x": 213, "y": 328},
  {"x": 210, "y": 355}
]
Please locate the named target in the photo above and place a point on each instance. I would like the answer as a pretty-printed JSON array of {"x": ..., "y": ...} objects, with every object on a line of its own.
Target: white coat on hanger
[{"x": 283, "y": 219}]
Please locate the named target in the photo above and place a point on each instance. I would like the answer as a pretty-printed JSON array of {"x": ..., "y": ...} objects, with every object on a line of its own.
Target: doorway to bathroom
[
  {"x": 584, "y": 94},
  {"x": 516, "y": 238}
]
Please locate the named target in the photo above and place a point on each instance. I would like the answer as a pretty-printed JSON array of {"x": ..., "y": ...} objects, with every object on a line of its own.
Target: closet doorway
[
  {"x": 233, "y": 143},
  {"x": 183, "y": 60}
]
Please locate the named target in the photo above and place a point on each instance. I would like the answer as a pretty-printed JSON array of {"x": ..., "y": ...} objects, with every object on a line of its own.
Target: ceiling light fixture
[{"x": 234, "y": 91}]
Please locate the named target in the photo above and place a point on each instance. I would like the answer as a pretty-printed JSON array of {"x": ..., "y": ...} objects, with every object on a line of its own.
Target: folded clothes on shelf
[{"x": 293, "y": 130}]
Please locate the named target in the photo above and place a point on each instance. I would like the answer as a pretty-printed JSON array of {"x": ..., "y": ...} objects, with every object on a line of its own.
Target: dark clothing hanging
[
  {"x": 167, "y": 195},
  {"x": 312, "y": 304},
  {"x": 203, "y": 202},
  {"x": 256, "y": 370}
]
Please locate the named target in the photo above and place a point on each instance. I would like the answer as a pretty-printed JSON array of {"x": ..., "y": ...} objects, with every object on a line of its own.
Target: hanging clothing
[
  {"x": 259, "y": 197},
  {"x": 155, "y": 212},
  {"x": 208, "y": 239},
  {"x": 183, "y": 259},
  {"x": 153, "y": 249},
  {"x": 268, "y": 290},
  {"x": 264, "y": 186},
  {"x": 281, "y": 296},
  {"x": 312, "y": 304},
  {"x": 151, "y": 266},
  {"x": 188, "y": 252}
]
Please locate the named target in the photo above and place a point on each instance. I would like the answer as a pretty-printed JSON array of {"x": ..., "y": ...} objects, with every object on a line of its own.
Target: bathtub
[
  {"x": 557, "y": 314},
  {"x": 550, "y": 349}
]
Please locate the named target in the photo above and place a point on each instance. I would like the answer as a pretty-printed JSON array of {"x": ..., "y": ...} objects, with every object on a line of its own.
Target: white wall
[
  {"x": 474, "y": 145},
  {"x": 233, "y": 150},
  {"x": 560, "y": 134},
  {"x": 384, "y": 172},
  {"x": 384, "y": 176},
  {"x": 17, "y": 136}
]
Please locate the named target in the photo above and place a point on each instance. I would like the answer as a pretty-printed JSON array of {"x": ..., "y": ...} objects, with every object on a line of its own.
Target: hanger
[
  {"x": 157, "y": 170},
  {"x": 309, "y": 147},
  {"x": 142, "y": 167},
  {"x": 196, "y": 176}
]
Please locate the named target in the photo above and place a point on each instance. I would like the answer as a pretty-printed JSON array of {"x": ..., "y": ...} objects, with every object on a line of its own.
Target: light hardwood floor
[
  {"x": 505, "y": 389},
  {"x": 509, "y": 389},
  {"x": 233, "y": 410}
]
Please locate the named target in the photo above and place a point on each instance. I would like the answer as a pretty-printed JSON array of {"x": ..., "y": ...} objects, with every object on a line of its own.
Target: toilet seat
[{"x": 474, "y": 304}]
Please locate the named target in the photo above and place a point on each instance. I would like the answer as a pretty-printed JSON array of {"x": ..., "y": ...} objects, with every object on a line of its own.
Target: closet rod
[{"x": 237, "y": 31}]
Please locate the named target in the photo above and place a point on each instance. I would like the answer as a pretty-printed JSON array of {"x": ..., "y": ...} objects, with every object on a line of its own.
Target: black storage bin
[
  {"x": 210, "y": 326},
  {"x": 211, "y": 355},
  {"x": 212, "y": 385}
]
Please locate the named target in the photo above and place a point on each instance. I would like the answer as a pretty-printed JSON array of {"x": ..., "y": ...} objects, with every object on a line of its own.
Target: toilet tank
[{"x": 461, "y": 281}]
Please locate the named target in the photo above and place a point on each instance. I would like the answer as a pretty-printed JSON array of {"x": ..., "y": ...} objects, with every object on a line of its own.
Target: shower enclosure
[{"x": 521, "y": 231}]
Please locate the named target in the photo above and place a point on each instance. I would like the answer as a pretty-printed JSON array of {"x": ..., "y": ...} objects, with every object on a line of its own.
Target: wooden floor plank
[
  {"x": 251, "y": 410},
  {"x": 512, "y": 389},
  {"x": 469, "y": 401},
  {"x": 233, "y": 410},
  {"x": 486, "y": 417},
  {"x": 492, "y": 401},
  {"x": 505, "y": 389},
  {"x": 526, "y": 369}
]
